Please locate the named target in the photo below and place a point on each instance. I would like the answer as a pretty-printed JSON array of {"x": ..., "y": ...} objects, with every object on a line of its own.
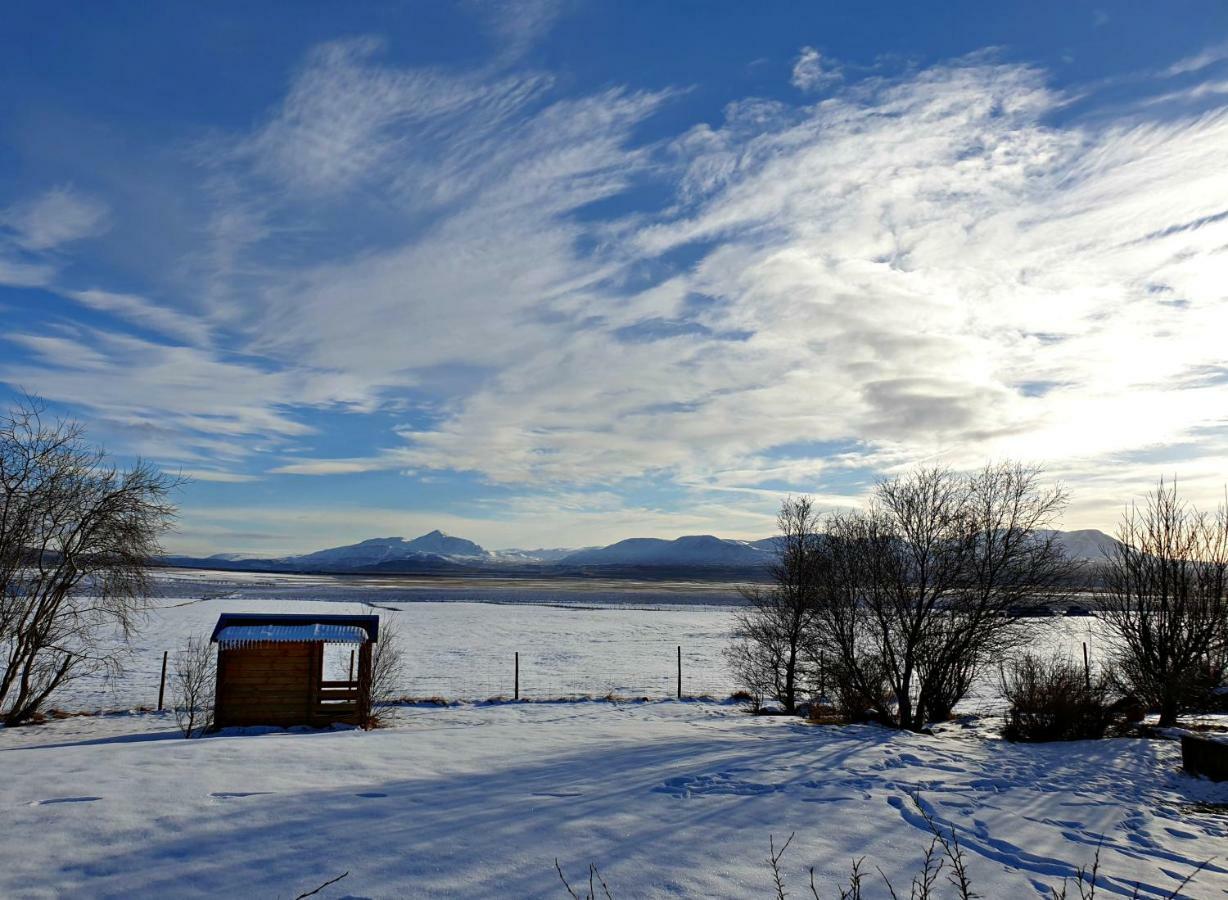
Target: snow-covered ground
[
  {"x": 667, "y": 798},
  {"x": 580, "y": 639}
]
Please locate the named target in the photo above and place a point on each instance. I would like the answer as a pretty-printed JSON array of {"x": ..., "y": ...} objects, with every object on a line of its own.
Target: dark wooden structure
[
  {"x": 1206, "y": 756},
  {"x": 270, "y": 670}
]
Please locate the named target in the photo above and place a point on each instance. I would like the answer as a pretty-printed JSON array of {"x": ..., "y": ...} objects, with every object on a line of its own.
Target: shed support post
[
  {"x": 364, "y": 685},
  {"x": 162, "y": 681}
]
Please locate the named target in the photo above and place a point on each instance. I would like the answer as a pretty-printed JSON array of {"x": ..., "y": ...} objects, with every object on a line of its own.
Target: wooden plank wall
[{"x": 271, "y": 685}]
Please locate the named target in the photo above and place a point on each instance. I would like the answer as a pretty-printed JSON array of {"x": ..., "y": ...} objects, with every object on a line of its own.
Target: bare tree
[
  {"x": 772, "y": 652},
  {"x": 1166, "y": 601},
  {"x": 921, "y": 589},
  {"x": 76, "y": 537},
  {"x": 387, "y": 670},
  {"x": 192, "y": 687}
]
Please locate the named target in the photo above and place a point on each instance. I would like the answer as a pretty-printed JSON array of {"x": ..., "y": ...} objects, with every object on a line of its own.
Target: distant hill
[
  {"x": 543, "y": 555},
  {"x": 693, "y": 550},
  {"x": 1088, "y": 545},
  {"x": 701, "y": 555},
  {"x": 378, "y": 551}
]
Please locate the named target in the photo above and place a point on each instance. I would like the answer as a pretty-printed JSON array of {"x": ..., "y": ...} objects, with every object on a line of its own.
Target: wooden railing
[{"x": 336, "y": 692}]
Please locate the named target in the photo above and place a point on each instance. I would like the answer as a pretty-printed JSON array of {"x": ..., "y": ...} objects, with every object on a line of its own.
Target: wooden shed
[{"x": 274, "y": 669}]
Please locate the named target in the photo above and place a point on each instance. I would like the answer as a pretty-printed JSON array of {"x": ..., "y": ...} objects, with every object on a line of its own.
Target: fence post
[
  {"x": 1087, "y": 669},
  {"x": 679, "y": 671},
  {"x": 517, "y": 696},
  {"x": 162, "y": 681},
  {"x": 351, "y": 665}
]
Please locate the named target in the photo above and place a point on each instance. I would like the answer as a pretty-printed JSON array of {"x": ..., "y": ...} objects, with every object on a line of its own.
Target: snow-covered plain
[
  {"x": 668, "y": 798},
  {"x": 461, "y": 636}
]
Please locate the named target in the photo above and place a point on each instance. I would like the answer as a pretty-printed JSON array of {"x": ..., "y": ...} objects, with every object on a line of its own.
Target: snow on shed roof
[
  {"x": 334, "y": 629},
  {"x": 240, "y": 635}
]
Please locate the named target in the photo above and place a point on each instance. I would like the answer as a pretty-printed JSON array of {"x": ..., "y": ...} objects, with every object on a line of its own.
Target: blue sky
[{"x": 557, "y": 273}]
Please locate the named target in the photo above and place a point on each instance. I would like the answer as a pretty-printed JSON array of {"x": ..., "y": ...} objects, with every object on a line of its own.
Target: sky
[{"x": 555, "y": 273}]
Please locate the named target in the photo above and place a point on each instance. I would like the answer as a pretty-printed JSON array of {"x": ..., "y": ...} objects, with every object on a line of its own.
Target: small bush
[
  {"x": 825, "y": 714},
  {"x": 192, "y": 684},
  {"x": 1053, "y": 699},
  {"x": 945, "y": 686},
  {"x": 862, "y": 694}
]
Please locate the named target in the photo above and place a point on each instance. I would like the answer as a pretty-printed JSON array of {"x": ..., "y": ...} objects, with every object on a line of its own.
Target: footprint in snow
[
  {"x": 234, "y": 795},
  {"x": 687, "y": 786},
  {"x": 63, "y": 800},
  {"x": 370, "y": 795},
  {"x": 559, "y": 794}
]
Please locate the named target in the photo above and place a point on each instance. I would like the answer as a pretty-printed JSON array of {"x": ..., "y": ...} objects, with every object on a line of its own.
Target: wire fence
[
  {"x": 555, "y": 667},
  {"x": 525, "y": 677},
  {"x": 530, "y": 677}
]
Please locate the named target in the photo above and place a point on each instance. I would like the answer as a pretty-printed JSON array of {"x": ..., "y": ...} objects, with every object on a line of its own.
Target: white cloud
[
  {"x": 347, "y": 118},
  {"x": 173, "y": 403},
  {"x": 20, "y": 273},
  {"x": 811, "y": 72},
  {"x": 923, "y": 267},
  {"x": 1199, "y": 61},
  {"x": 338, "y": 466},
  {"x": 145, "y": 314},
  {"x": 517, "y": 24},
  {"x": 904, "y": 268},
  {"x": 58, "y": 216},
  {"x": 219, "y": 476}
]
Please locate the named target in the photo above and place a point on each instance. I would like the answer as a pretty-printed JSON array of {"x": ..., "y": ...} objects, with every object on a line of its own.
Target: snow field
[
  {"x": 667, "y": 798},
  {"x": 569, "y": 644}
]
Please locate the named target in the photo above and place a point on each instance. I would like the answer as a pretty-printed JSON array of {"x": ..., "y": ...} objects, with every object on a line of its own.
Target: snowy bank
[{"x": 667, "y": 798}]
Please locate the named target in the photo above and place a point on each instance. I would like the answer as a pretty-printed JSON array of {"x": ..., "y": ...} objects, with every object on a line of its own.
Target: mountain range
[{"x": 436, "y": 552}]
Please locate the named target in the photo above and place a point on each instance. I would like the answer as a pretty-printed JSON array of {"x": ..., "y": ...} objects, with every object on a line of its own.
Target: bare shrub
[
  {"x": 77, "y": 535},
  {"x": 387, "y": 674},
  {"x": 1054, "y": 699},
  {"x": 773, "y": 651},
  {"x": 944, "y": 855},
  {"x": 862, "y": 694},
  {"x": 317, "y": 890},
  {"x": 1166, "y": 602},
  {"x": 193, "y": 683},
  {"x": 594, "y": 879},
  {"x": 924, "y": 585}
]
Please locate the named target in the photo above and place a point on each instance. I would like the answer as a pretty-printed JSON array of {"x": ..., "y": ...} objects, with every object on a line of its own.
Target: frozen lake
[{"x": 461, "y": 637}]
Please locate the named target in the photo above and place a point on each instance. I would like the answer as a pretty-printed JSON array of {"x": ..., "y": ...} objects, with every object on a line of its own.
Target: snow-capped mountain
[
  {"x": 515, "y": 556},
  {"x": 439, "y": 552},
  {"x": 1086, "y": 545},
  {"x": 692, "y": 550},
  {"x": 376, "y": 551}
]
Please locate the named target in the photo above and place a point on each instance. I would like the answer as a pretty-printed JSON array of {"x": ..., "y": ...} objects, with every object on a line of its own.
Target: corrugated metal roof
[
  {"x": 240, "y": 635},
  {"x": 368, "y": 624}
]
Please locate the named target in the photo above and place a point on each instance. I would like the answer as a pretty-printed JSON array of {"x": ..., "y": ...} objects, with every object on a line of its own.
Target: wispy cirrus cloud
[
  {"x": 517, "y": 25},
  {"x": 55, "y": 217},
  {"x": 926, "y": 265},
  {"x": 34, "y": 227},
  {"x": 811, "y": 72},
  {"x": 1208, "y": 56},
  {"x": 146, "y": 314},
  {"x": 902, "y": 267}
]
